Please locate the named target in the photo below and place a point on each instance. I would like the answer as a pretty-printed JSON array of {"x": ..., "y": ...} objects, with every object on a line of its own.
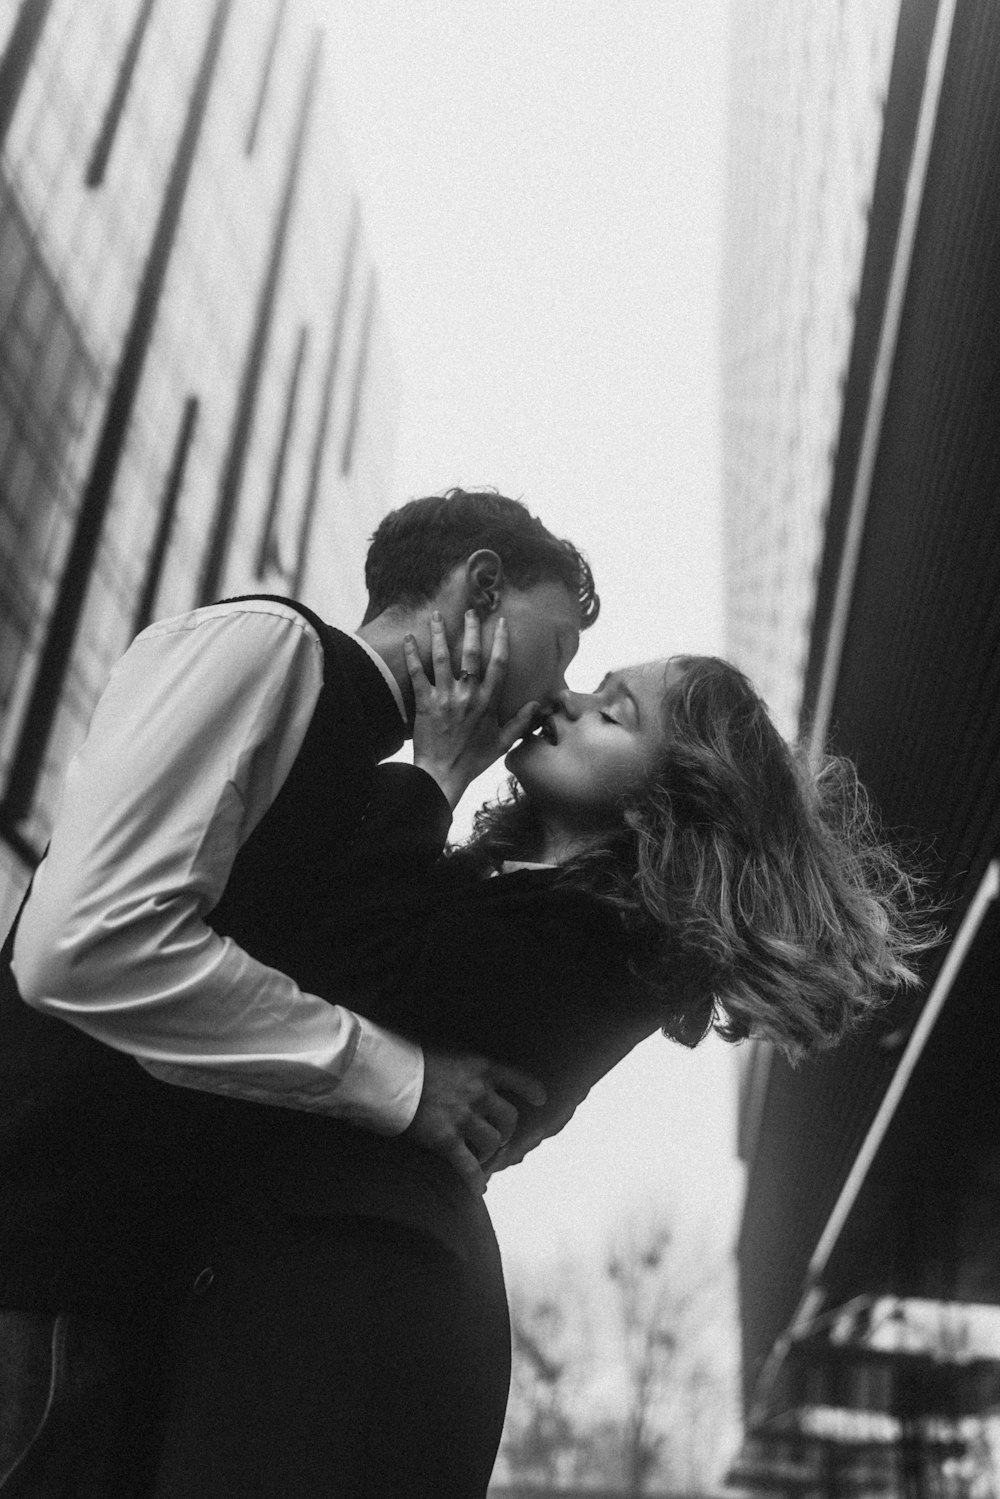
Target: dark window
[
  {"x": 326, "y": 398},
  {"x": 14, "y": 255},
  {"x": 112, "y": 117},
  {"x": 360, "y": 370},
  {"x": 36, "y": 306},
  {"x": 265, "y": 76},
  {"x": 267, "y": 550},
  {"x": 18, "y": 56},
  {"x": 19, "y": 482},
  {"x": 57, "y": 354},
  {"x": 167, "y": 514},
  {"x": 246, "y": 405}
]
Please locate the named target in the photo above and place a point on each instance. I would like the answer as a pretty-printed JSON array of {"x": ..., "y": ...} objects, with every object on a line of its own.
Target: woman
[{"x": 664, "y": 861}]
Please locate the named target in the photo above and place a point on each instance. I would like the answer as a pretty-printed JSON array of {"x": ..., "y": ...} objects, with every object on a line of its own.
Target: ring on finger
[{"x": 468, "y": 676}]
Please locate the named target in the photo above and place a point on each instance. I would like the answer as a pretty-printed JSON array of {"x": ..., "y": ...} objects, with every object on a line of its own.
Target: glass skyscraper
[
  {"x": 196, "y": 396},
  {"x": 808, "y": 90}
]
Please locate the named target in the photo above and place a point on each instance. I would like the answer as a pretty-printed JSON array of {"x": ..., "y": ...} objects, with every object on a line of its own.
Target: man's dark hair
[{"x": 415, "y": 547}]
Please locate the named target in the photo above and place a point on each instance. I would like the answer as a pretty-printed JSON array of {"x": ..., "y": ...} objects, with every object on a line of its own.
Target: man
[{"x": 227, "y": 769}]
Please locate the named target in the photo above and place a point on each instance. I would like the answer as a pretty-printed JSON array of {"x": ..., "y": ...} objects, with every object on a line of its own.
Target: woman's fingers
[
  {"x": 521, "y": 1084},
  {"x": 499, "y": 1116},
  {"x": 483, "y": 1139},
  {"x": 414, "y": 666},
  {"x": 515, "y": 728},
  {"x": 456, "y": 734},
  {"x": 467, "y": 1166},
  {"x": 440, "y": 658},
  {"x": 489, "y": 683},
  {"x": 496, "y": 671},
  {"x": 472, "y": 646}
]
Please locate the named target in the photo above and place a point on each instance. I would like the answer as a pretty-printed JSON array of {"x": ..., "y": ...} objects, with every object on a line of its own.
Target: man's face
[{"x": 543, "y": 623}]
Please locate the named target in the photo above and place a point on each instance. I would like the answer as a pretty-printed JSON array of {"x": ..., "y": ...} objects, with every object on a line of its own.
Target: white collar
[
  {"x": 391, "y": 682},
  {"x": 510, "y": 866}
]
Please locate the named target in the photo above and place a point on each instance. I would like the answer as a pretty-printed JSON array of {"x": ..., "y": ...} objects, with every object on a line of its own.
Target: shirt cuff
[
  {"x": 384, "y": 1082},
  {"x": 378, "y": 1089}
]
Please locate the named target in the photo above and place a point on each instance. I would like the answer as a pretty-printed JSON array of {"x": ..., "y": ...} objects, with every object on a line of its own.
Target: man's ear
[{"x": 484, "y": 582}]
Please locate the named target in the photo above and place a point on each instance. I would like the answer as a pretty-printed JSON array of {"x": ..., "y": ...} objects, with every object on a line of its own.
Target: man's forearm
[
  {"x": 196, "y": 1010},
  {"x": 357, "y": 1072}
]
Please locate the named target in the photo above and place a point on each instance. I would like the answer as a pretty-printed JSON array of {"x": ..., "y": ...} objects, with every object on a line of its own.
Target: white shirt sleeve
[{"x": 189, "y": 745}]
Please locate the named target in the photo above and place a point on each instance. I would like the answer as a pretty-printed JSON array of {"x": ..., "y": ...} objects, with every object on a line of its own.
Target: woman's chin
[{"x": 521, "y": 755}]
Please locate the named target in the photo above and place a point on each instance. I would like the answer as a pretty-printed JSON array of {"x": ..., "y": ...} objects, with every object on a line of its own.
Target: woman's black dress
[{"x": 349, "y": 1335}]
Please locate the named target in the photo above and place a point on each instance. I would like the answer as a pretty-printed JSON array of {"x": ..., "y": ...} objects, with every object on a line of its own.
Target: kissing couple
[{"x": 265, "y": 1033}]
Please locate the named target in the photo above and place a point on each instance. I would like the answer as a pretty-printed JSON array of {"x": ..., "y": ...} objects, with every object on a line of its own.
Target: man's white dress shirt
[{"x": 193, "y": 738}]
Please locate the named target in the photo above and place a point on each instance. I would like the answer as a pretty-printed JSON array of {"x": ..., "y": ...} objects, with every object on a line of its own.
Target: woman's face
[{"x": 596, "y": 747}]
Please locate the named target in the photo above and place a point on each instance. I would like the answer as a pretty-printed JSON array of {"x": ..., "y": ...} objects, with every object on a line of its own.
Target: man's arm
[{"x": 189, "y": 745}]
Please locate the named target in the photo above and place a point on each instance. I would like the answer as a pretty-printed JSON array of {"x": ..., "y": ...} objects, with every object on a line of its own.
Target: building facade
[
  {"x": 196, "y": 394},
  {"x": 808, "y": 83},
  {"x": 869, "y": 1269}
]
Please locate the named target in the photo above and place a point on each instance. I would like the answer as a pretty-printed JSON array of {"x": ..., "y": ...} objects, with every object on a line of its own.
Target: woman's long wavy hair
[{"x": 757, "y": 892}]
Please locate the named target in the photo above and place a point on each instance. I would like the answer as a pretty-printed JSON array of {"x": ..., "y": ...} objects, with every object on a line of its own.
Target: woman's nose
[{"x": 572, "y": 703}]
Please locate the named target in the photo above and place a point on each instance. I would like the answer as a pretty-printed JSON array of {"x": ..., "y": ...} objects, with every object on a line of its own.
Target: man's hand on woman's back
[{"x": 464, "y": 1113}]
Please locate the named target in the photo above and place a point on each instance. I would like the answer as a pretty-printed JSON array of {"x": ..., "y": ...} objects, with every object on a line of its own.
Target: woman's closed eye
[{"x": 610, "y": 717}]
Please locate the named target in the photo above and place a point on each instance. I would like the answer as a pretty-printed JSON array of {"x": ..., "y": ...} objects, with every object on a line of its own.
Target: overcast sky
[{"x": 541, "y": 184}]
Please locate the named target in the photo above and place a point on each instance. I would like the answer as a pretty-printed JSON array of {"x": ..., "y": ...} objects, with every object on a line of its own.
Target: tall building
[
  {"x": 196, "y": 396},
  {"x": 869, "y": 1273},
  {"x": 808, "y": 86}
]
